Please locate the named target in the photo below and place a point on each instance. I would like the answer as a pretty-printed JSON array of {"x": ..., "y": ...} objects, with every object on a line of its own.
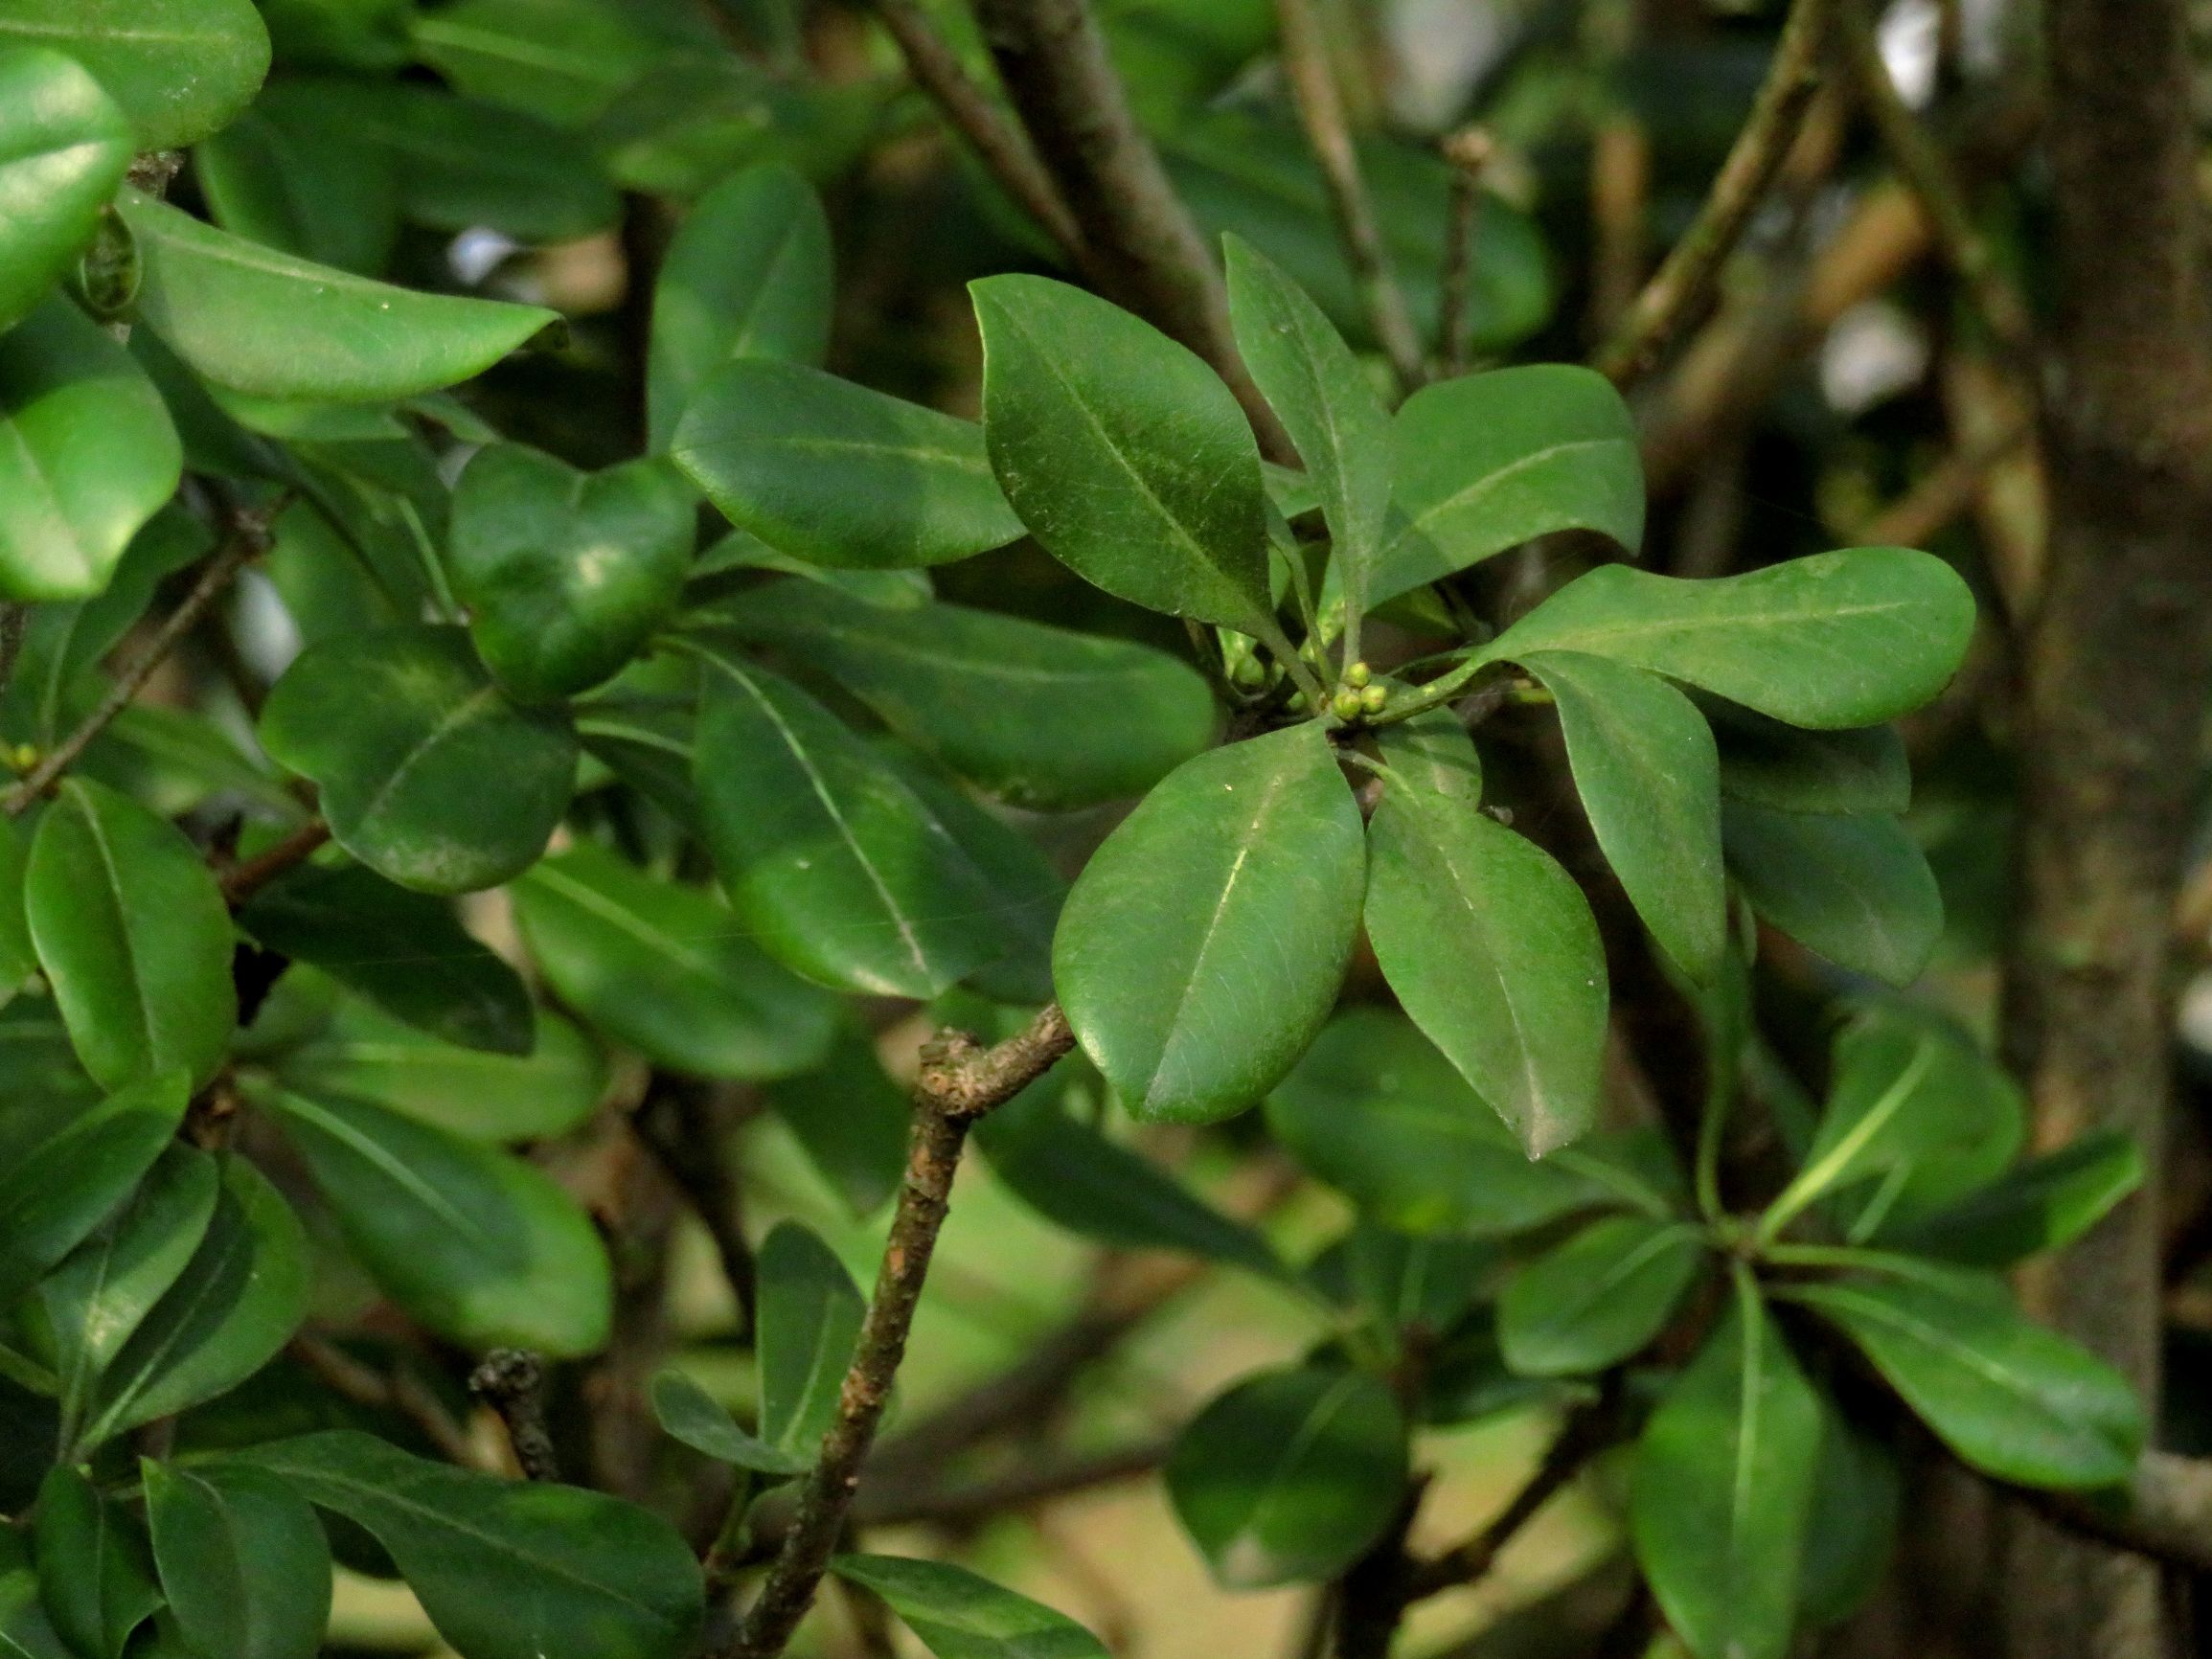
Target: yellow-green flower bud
[
  {"x": 1347, "y": 705},
  {"x": 1357, "y": 676},
  {"x": 1373, "y": 698}
]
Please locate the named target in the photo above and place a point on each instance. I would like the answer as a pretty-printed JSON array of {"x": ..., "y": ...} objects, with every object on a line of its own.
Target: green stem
[
  {"x": 1285, "y": 652},
  {"x": 1439, "y": 690}
]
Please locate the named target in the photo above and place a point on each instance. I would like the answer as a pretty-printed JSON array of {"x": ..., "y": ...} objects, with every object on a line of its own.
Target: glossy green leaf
[
  {"x": 243, "y": 1561},
  {"x": 1858, "y": 890},
  {"x": 133, "y": 935},
  {"x": 1491, "y": 949},
  {"x": 95, "y": 1572},
  {"x": 668, "y": 970},
  {"x": 747, "y": 275},
  {"x": 1122, "y": 453},
  {"x": 2010, "y": 1397},
  {"x": 404, "y": 951},
  {"x": 269, "y": 323},
  {"x": 1599, "y": 1298},
  {"x": 810, "y": 1317},
  {"x": 1766, "y": 764},
  {"x": 1852, "y": 1528},
  {"x": 1649, "y": 776},
  {"x": 841, "y": 871},
  {"x": 428, "y": 774},
  {"x": 507, "y": 1569},
  {"x": 479, "y": 1093},
  {"x": 1326, "y": 402},
  {"x": 237, "y": 1302},
  {"x": 87, "y": 454},
  {"x": 1041, "y": 716},
  {"x": 284, "y": 174},
  {"x": 1432, "y": 752},
  {"x": 2045, "y": 1204},
  {"x": 480, "y": 1246},
  {"x": 959, "y": 1615},
  {"x": 1722, "y": 1489},
  {"x": 25, "y": 1630},
  {"x": 832, "y": 472},
  {"x": 1290, "y": 1475},
  {"x": 565, "y": 573},
  {"x": 564, "y": 61},
  {"x": 1415, "y": 1288},
  {"x": 852, "y": 1121},
  {"x": 740, "y": 550},
  {"x": 690, "y": 1414},
  {"x": 1375, "y": 1110},
  {"x": 64, "y": 147},
  {"x": 67, "y": 1185},
  {"x": 1486, "y": 462},
  {"x": 1202, "y": 947},
  {"x": 1841, "y": 639},
  {"x": 1078, "y": 1178},
  {"x": 179, "y": 68},
  {"x": 103, "y": 1290}
]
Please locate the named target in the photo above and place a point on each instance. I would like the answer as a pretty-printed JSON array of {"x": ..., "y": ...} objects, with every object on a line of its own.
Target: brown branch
[
  {"x": 1587, "y": 1431},
  {"x": 400, "y": 1390},
  {"x": 1374, "y": 1592},
  {"x": 511, "y": 1382},
  {"x": 1320, "y": 106},
  {"x": 2164, "y": 1511},
  {"x": 1683, "y": 280},
  {"x": 1004, "y": 151},
  {"x": 959, "y": 1082},
  {"x": 248, "y": 539},
  {"x": 242, "y": 881},
  {"x": 1469, "y": 150},
  {"x": 13, "y": 618},
  {"x": 1147, "y": 254},
  {"x": 1932, "y": 505}
]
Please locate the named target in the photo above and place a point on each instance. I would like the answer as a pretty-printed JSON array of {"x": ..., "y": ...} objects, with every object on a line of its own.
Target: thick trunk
[{"x": 2114, "y": 665}]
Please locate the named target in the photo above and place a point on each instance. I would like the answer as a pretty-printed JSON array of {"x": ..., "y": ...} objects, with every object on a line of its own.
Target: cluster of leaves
[{"x": 503, "y": 652}]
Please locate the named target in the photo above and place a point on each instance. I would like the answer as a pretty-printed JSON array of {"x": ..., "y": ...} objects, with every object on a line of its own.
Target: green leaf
[
  {"x": 565, "y": 573},
  {"x": 256, "y": 320},
  {"x": 852, "y": 1119},
  {"x": 1290, "y": 1475},
  {"x": 87, "y": 454},
  {"x": 1851, "y": 638},
  {"x": 64, "y": 147},
  {"x": 1326, "y": 402},
  {"x": 960, "y": 1616},
  {"x": 1413, "y": 1288},
  {"x": 482, "y": 1248},
  {"x": 285, "y": 176},
  {"x": 1375, "y": 1110},
  {"x": 688, "y": 1412},
  {"x": 404, "y": 951},
  {"x": 747, "y": 275},
  {"x": 67, "y": 1185},
  {"x": 2010, "y": 1397},
  {"x": 103, "y": 1290},
  {"x": 810, "y": 1317},
  {"x": 1723, "y": 1487},
  {"x": 1599, "y": 1298},
  {"x": 1042, "y": 717},
  {"x": 562, "y": 60},
  {"x": 2045, "y": 1204},
  {"x": 1852, "y": 1528},
  {"x": 1491, "y": 949},
  {"x": 133, "y": 935},
  {"x": 25, "y": 1630},
  {"x": 459, "y": 163},
  {"x": 832, "y": 472},
  {"x": 1487, "y": 462},
  {"x": 1077, "y": 1178},
  {"x": 1122, "y": 453},
  {"x": 507, "y": 1569},
  {"x": 1202, "y": 947},
  {"x": 428, "y": 774},
  {"x": 481, "y": 1094},
  {"x": 179, "y": 68},
  {"x": 743, "y": 551},
  {"x": 1649, "y": 776},
  {"x": 94, "y": 1573},
  {"x": 243, "y": 1560},
  {"x": 237, "y": 1302},
  {"x": 1766, "y": 764},
  {"x": 668, "y": 970},
  {"x": 1432, "y": 752},
  {"x": 19, "y": 956},
  {"x": 1858, "y": 890},
  {"x": 843, "y": 872}
]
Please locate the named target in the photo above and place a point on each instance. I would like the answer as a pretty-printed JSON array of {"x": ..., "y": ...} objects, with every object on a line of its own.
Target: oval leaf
[
  {"x": 1202, "y": 947},
  {"x": 1858, "y": 890},
  {"x": 243, "y": 1561},
  {"x": 95, "y": 1572},
  {"x": 179, "y": 68},
  {"x": 695, "y": 1417},
  {"x": 64, "y": 147},
  {"x": 284, "y": 176},
  {"x": 1599, "y": 1298},
  {"x": 810, "y": 1317},
  {"x": 2045, "y": 1204},
  {"x": 960, "y": 1616}
]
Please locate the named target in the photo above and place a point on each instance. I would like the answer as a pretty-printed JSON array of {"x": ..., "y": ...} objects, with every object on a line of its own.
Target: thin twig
[
  {"x": 247, "y": 540},
  {"x": 1930, "y": 504},
  {"x": 1924, "y": 167},
  {"x": 242, "y": 881},
  {"x": 960, "y": 1081},
  {"x": 1680, "y": 285},
  {"x": 511, "y": 1382},
  {"x": 1587, "y": 1431},
  {"x": 1320, "y": 106},
  {"x": 2164, "y": 1511},
  {"x": 1373, "y": 1594},
  {"x": 398, "y": 1390},
  {"x": 1004, "y": 151},
  {"x": 1469, "y": 150}
]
